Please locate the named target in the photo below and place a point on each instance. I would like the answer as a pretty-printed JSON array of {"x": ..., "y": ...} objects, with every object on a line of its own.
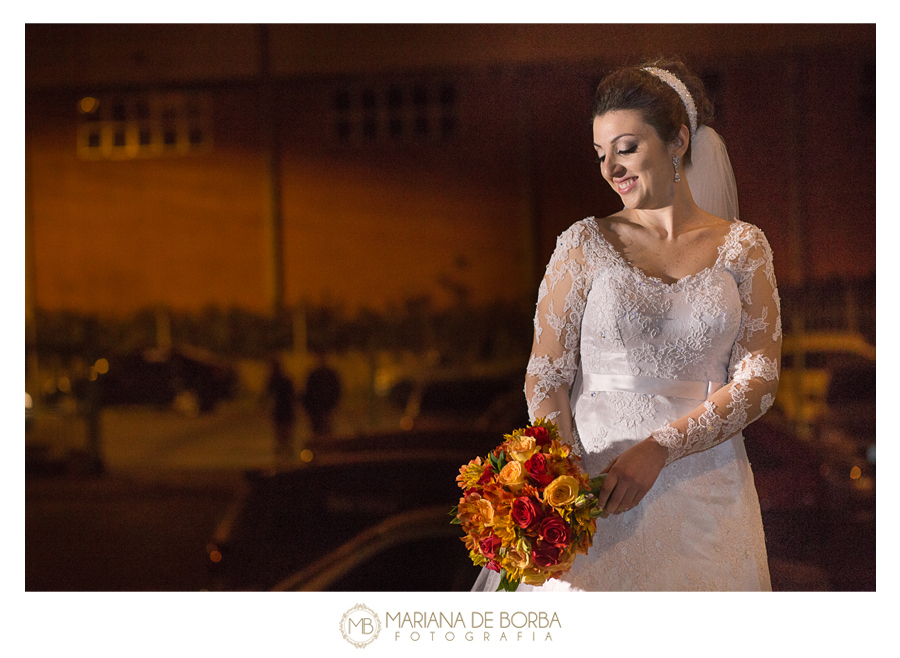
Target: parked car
[
  {"x": 833, "y": 397},
  {"x": 389, "y": 557},
  {"x": 496, "y": 402},
  {"x": 845, "y": 433},
  {"x": 786, "y": 469},
  {"x": 192, "y": 379},
  {"x": 818, "y": 526},
  {"x": 283, "y": 521},
  {"x": 802, "y": 390}
]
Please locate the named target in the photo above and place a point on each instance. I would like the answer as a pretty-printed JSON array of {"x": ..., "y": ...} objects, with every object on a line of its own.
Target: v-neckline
[{"x": 655, "y": 279}]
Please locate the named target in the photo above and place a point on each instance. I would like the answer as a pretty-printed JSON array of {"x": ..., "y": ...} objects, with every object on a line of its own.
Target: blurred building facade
[
  {"x": 290, "y": 176},
  {"x": 262, "y": 167}
]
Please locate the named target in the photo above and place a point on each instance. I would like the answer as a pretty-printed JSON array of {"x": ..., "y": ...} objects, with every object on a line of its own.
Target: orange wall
[
  {"x": 371, "y": 226},
  {"x": 116, "y": 236}
]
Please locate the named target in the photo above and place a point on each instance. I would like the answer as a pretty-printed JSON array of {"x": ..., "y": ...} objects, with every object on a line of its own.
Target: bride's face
[{"x": 634, "y": 160}]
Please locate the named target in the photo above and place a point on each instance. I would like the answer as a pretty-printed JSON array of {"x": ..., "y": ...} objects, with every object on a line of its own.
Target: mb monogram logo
[{"x": 360, "y": 626}]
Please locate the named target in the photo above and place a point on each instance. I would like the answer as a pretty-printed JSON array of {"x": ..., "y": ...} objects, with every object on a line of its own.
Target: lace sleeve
[
  {"x": 557, "y": 327},
  {"x": 754, "y": 367}
]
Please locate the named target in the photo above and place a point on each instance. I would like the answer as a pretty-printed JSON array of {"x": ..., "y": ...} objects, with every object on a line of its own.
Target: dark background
[{"x": 388, "y": 196}]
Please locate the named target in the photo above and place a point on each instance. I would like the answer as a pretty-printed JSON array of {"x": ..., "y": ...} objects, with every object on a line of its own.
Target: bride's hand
[{"x": 630, "y": 476}]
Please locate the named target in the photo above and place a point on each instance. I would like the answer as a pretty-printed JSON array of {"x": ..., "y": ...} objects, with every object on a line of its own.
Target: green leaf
[
  {"x": 597, "y": 482},
  {"x": 498, "y": 461},
  {"x": 507, "y": 585}
]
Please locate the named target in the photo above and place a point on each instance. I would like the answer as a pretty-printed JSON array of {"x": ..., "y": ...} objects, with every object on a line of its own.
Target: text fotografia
[{"x": 480, "y": 626}]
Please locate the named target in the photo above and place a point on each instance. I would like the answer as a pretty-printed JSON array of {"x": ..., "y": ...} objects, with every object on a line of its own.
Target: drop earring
[{"x": 675, "y": 164}]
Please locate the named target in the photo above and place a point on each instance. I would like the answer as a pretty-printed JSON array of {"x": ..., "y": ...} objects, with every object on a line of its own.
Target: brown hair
[{"x": 632, "y": 88}]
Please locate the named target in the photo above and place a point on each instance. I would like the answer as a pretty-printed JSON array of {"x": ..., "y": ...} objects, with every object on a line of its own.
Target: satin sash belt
[{"x": 677, "y": 388}]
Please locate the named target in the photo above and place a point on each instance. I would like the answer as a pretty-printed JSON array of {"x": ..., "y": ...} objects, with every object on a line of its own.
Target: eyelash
[{"x": 628, "y": 151}]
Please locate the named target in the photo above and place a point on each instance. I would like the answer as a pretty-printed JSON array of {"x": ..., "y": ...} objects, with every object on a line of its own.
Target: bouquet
[{"x": 528, "y": 508}]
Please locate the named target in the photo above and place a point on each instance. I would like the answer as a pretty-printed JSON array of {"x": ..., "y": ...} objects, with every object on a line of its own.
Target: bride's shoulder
[
  {"x": 581, "y": 231},
  {"x": 594, "y": 228},
  {"x": 746, "y": 240},
  {"x": 580, "y": 242},
  {"x": 746, "y": 232}
]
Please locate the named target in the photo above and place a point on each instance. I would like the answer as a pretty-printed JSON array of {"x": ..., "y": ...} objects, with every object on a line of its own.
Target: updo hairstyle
[{"x": 632, "y": 88}]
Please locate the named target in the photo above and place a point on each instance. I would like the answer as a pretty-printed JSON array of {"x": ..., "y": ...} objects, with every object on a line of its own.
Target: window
[
  {"x": 395, "y": 112},
  {"x": 146, "y": 125}
]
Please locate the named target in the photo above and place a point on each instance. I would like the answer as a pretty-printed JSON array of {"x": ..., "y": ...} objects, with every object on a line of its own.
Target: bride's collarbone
[
  {"x": 670, "y": 267},
  {"x": 669, "y": 260}
]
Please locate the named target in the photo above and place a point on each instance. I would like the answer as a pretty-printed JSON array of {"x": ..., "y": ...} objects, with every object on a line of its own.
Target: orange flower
[
  {"x": 503, "y": 525},
  {"x": 559, "y": 451},
  {"x": 475, "y": 510},
  {"x": 497, "y": 494},
  {"x": 583, "y": 543},
  {"x": 470, "y": 473}
]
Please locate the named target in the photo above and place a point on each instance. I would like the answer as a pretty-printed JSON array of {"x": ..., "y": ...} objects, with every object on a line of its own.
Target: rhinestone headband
[{"x": 681, "y": 90}]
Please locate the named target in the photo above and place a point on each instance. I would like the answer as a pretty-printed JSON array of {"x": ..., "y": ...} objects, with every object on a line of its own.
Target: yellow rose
[
  {"x": 512, "y": 475},
  {"x": 532, "y": 577},
  {"x": 485, "y": 510},
  {"x": 523, "y": 545},
  {"x": 519, "y": 559},
  {"x": 562, "y": 491},
  {"x": 521, "y": 448}
]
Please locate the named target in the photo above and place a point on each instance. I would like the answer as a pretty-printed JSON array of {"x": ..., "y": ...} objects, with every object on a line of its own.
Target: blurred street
[
  {"x": 121, "y": 532},
  {"x": 169, "y": 480},
  {"x": 142, "y": 525}
]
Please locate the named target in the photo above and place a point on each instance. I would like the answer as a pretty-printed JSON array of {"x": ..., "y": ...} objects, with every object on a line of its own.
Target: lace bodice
[{"x": 597, "y": 312}]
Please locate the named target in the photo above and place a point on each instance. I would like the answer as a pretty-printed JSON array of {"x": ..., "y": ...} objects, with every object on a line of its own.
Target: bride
[{"x": 657, "y": 339}]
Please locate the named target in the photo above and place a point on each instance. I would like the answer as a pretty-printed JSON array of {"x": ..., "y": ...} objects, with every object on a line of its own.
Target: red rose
[
  {"x": 489, "y": 546},
  {"x": 540, "y": 434},
  {"x": 555, "y": 531},
  {"x": 545, "y": 554},
  {"x": 526, "y": 511},
  {"x": 493, "y": 566},
  {"x": 486, "y": 476},
  {"x": 537, "y": 469}
]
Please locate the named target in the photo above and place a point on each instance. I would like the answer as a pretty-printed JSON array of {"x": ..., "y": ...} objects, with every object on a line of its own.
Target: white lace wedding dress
[{"x": 691, "y": 363}]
